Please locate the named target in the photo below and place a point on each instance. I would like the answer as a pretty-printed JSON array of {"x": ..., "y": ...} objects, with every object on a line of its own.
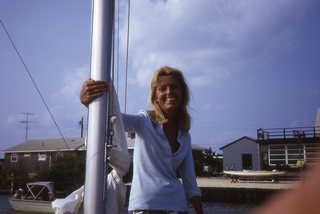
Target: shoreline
[{"x": 5, "y": 191}]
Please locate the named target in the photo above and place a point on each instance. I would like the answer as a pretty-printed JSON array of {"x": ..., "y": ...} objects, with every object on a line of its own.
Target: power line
[{"x": 34, "y": 83}]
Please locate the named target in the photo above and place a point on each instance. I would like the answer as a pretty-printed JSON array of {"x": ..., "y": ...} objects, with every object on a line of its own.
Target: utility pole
[
  {"x": 81, "y": 126},
  {"x": 27, "y": 121}
]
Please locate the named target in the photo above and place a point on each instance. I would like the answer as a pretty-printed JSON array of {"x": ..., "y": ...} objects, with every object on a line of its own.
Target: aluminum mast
[{"x": 95, "y": 183}]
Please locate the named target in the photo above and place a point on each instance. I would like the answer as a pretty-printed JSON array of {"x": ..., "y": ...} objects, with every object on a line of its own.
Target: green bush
[{"x": 66, "y": 172}]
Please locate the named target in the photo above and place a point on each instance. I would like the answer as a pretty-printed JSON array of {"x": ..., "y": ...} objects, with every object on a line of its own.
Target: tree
[{"x": 67, "y": 172}]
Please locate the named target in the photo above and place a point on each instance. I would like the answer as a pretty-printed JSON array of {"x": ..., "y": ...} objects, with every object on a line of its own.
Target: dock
[
  {"x": 222, "y": 182},
  {"x": 220, "y": 189}
]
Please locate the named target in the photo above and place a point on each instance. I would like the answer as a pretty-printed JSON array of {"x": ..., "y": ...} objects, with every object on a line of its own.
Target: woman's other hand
[{"x": 91, "y": 89}]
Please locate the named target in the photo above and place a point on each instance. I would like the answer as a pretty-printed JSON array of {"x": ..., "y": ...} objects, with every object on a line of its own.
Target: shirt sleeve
[
  {"x": 132, "y": 122},
  {"x": 188, "y": 176}
]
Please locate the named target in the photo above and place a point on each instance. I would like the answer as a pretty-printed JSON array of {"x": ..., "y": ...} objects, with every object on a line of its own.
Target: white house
[{"x": 241, "y": 154}]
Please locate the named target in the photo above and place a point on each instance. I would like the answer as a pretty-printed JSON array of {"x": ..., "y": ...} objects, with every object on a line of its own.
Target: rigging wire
[
  {"x": 34, "y": 83},
  {"x": 127, "y": 60},
  {"x": 112, "y": 68},
  {"x": 118, "y": 42}
]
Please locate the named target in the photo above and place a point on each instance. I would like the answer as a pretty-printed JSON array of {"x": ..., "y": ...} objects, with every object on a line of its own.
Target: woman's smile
[{"x": 169, "y": 95}]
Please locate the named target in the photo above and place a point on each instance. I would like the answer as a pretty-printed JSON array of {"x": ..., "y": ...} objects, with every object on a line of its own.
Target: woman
[{"x": 162, "y": 148}]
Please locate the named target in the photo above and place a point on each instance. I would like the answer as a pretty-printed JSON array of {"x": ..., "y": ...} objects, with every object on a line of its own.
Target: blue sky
[{"x": 249, "y": 64}]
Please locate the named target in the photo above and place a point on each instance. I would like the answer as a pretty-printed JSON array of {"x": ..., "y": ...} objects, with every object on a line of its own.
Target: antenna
[{"x": 27, "y": 121}]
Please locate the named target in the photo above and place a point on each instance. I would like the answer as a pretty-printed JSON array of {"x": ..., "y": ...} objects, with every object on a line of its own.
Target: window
[
  {"x": 14, "y": 158},
  {"x": 311, "y": 152},
  {"x": 295, "y": 153},
  {"x": 290, "y": 154},
  {"x": 42, "y": 157},
  {"x": 277, "y": 155}
]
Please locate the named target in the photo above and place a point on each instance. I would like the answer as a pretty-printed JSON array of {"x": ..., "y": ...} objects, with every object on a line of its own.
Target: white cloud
[
  {"x": 66, "y": 107},
  {"x": 13, "y": 120},
  {"x": 72, "y": 84},
  {"x": 221, "y": 36}
]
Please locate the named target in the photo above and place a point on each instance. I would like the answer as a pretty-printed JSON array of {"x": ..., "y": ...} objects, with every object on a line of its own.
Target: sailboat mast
[{"x": 95, "y": 184}]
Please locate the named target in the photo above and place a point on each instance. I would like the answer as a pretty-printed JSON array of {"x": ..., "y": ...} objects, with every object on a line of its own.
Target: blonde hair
[{"x": 157, "y": 115}]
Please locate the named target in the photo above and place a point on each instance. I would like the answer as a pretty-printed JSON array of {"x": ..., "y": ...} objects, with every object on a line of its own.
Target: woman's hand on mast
[{"x": 91, "y": 89}]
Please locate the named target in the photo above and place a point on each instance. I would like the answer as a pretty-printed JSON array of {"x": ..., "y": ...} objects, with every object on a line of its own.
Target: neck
[{"x": 172, "y": 120}]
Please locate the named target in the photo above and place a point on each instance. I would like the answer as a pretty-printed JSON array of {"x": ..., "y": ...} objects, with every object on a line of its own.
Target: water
[
  {"x": 4, "y": 204},
  {"x": 209, "y": 207},
  {"x": 226, "y": 208}
]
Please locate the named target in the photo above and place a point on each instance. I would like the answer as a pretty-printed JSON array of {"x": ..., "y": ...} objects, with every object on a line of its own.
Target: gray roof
[
  {"x": 196, "y": 147},
  {"x": 48, "y": 145},
  {"x": 244, "y": 137}
]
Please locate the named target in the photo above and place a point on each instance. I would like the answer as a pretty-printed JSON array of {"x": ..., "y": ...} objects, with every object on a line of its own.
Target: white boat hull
[
  {"x": 34, "y": 206},
  {"x": 252, "y": 173}
]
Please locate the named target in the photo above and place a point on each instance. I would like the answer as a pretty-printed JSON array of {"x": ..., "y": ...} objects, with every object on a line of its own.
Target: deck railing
[{"x": 285, "y": 133}]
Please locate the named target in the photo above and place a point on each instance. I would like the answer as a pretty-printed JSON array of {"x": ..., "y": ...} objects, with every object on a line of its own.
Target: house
[
  {"x": 275, "y": 148},
  {"x": 288, "y": 147},
  {"x": 1, "y": 163},
  {"x": 278, "y": 148},
  {"x": 34, "y": 155},
  {"x": 241, "y": 154}
]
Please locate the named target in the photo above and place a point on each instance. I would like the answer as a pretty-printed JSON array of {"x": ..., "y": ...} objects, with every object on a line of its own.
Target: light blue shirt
[{"x": 155, "y": 185}]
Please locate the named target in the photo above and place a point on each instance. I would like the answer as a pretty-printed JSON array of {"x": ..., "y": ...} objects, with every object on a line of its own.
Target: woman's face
[{"x": 168, "y": 94}]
